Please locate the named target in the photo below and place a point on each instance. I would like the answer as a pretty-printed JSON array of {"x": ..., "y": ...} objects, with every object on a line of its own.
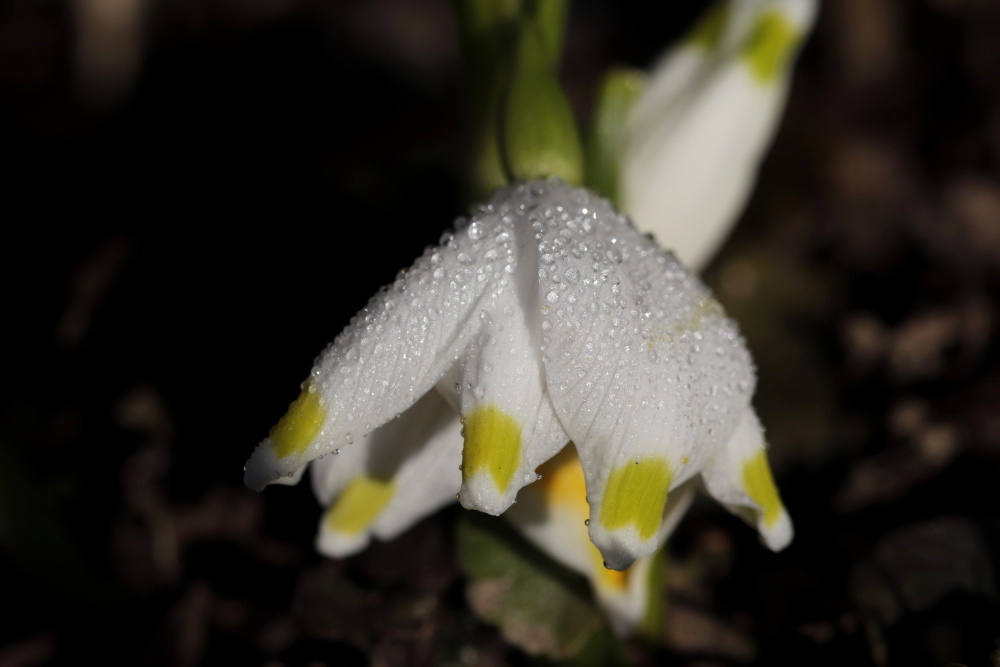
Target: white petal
[
  {"x": 427, "y": 480},
  {"x": 510, "y": 427},
  {"x": 699, "y": 131},
  {"x": 393, "y": 352},
  {"x": 645, "y": 372},
  {"x": 553, "y": 515},
  {"x": 739, "y": 477},
  {"x": 401, "y": 473}
]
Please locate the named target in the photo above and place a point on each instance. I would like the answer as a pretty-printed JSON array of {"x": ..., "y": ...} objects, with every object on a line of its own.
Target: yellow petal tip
[
  {"x": 492, "y": 445},
  {"x": 299, "y": 427},
  {"x": 360, "y": 504},
  {"x": 759, "y": 485},
  {"x": 770, "y": 43},
  {"x": 708, "y": 31},
  {"x": 635, "y": 495}
]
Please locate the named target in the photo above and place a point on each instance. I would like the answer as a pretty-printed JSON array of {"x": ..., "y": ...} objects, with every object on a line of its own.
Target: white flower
[
  {"x": 546, "y": 318},
  {"x": 696, "y": 135},
  {"x": 692, "y": 146}
]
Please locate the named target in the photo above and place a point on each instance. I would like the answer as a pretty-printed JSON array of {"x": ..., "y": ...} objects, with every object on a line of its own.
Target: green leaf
[
  {"x": 538, "y": 134},
  {"x": 549, "y": 17},
  {"x": 486, "y": 28},
  {"x": 606, "y": 136},
  {"x": 539, "y": 606},
  {"x": 512, "y": 48}
]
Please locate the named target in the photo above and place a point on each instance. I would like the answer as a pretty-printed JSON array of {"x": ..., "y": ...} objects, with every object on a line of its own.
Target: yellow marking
[
  {"x": 759, "y": 485},
  {"x": 360, "y": 504},
  {"x": 493, "y": 444},
  {"x": 299, "y": 427},
  {"x": 769, "y": 45},
  {"x": 563, "y": 483},
  {"x": 636, "y": 495},
  {"x": 708, "y": 31}
]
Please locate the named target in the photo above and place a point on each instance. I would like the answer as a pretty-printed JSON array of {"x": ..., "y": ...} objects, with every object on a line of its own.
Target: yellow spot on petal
[
  {"x": 708, "y": 31},
  {"x": 492, "y": 444},
  {"x": 769, "y": 45},
  {"x": 759, "y": 485},
  {"x": 360, "y": 504},
  {"x": 299, "y": 427},
  {"x": 636, "y": 495}
]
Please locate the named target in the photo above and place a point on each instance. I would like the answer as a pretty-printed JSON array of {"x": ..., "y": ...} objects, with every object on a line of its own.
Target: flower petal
[
  {"x": 690, "y": 158},
  {"x": 394, "y": 477},
  {"x": 510, "y": 427},
  {"x": 392, "y": 353},
  {"x": 646, "y": 373},
  {"x": 739, "y": 477},
  {"x": 553, "y": 514}
]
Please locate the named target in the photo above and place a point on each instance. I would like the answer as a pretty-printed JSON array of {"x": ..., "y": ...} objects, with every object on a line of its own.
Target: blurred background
[{"x": 199, "y": 195}]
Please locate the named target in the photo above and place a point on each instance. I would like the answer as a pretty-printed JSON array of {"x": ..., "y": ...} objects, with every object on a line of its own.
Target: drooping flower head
[{"x": 544, "y": 318}]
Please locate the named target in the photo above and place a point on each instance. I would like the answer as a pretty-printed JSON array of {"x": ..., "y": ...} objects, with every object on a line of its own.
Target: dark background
[{"x": 182, "y": 235}]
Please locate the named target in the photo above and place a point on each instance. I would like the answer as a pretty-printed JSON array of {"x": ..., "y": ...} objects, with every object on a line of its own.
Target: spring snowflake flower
[
  {"x": 687, "y": 159},
  {"x": 697, "y": 134},
  {"x": 545, "y": 318}
]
